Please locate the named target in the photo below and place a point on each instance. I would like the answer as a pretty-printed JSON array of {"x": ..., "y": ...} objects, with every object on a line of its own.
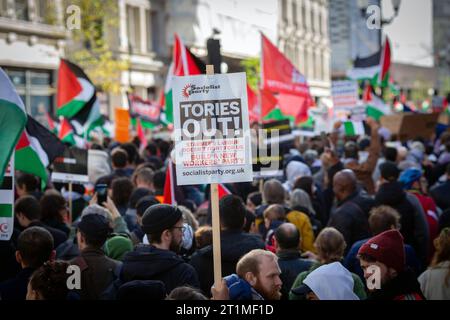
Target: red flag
[
  {"x": 169, "y": 190},
  {"x": 278, "y": 74},
  {"x": 141, "y": 134},
  {"x": 253, "y": 112},
  {"x": 367, "y": 95},
  {"x": 184, "y": 63},
  {"x": 222, "y": 190}
]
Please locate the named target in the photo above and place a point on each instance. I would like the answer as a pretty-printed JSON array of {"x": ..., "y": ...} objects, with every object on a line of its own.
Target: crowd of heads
[{"x": 342, "y": 208}]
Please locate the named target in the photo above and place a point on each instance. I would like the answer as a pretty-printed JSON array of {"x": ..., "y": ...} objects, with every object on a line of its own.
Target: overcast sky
[{"x": 411, "y": 32}]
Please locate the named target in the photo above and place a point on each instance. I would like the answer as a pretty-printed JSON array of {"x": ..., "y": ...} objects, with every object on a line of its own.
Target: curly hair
[{"x": 50, "y": 280}]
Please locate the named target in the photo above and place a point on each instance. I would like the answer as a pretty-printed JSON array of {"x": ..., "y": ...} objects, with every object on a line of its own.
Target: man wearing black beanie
[
  {"x": 163, "y": 225},
  {"x": 97, "y": 270}
]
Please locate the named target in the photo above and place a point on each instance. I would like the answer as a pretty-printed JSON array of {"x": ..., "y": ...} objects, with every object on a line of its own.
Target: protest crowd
[
  {"x": 353, "y": 216},
  {"x": 313, "y": 234}
]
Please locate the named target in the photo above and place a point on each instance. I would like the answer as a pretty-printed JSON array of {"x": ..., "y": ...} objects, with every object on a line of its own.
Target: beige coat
[{"x": 432, "y": 282}]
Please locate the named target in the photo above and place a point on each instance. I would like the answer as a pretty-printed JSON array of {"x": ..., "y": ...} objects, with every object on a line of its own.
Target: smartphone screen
[{"x": 101, "y": 190}]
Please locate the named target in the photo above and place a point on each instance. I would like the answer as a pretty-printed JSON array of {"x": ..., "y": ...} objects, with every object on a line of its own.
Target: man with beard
[
  {"x": 257, "y": 278},
  {"x": 163, "y": 225}
]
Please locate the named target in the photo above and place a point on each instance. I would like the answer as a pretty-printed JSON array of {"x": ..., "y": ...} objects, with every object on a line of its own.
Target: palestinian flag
[
  {"x": 172, "y": 193},
  {"x": 51, "y": 125},
  {"x": 7, "y": 202},
  {"x": 375, "y": 106},
  {"x": 385, "y": 64},
  {"x": 66, "y": 132},
  {"x": 36, "y": 149},
  {"x": 354, "y": 128},
  {"x": 13, "y": 119},
  {"x": 77, "y": 98},
  {"x": 183, "y": 64},
  {"x": 374, "y": 68}
]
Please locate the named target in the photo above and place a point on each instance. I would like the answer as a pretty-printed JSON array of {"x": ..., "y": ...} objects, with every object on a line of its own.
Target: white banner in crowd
[
  {"x": 212, "y": 134},
  {"x": 7, "y": 203},
  {"x": 345, "y": 97}
]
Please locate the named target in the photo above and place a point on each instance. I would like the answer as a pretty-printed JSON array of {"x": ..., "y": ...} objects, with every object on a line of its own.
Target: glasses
[{"x": 183, "y": 228}]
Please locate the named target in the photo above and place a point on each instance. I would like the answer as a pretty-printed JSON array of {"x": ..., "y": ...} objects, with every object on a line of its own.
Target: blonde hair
[
  {"x": 442, "y": 245},
  {"x": 274, "y": 212},
  {"x": 330, "y": 245},
  {"x": 250, "y": 262}
]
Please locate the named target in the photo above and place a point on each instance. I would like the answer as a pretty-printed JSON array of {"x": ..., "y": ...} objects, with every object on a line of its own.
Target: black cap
[
  {"x": 389, "y": 171},
  {"x": 160, "y": 217},
  {"x": 302, "y": 290},
  {"x": 137, "y": 195},
  {"x": 94, "y": 226},
  {"x": 142, "y": 290},
  {"x": 144, "y": 203}
]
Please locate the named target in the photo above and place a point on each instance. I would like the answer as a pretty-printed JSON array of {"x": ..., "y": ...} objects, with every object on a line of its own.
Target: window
[
  {"x": 284, "y": 11},
  {"x": 42, "y": 8},
  {"x": 149, "y": 27},
  {"x": 133, "y": 29},
  {"x": 35, "y": 89},
  {"x": 3, "y": 8},
  {"x": 304, "y": 15},
  {"x": 21, "y": 8},
  {"x": 294, "y": 12},
  {"x": 156, "y": 34}
]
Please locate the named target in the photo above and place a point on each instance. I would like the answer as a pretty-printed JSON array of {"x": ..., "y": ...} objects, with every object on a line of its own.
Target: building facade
[
  {"x": 304, "y": 38},
  {"x": 441, "y": 41},
  {"x": 32, "y": 40},
  {"x": 238, "y": 24},
  {"x": 140, "y": 40}
]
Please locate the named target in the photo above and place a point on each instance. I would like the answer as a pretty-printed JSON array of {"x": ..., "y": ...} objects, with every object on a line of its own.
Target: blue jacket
[{"x": 239, "y": 289}]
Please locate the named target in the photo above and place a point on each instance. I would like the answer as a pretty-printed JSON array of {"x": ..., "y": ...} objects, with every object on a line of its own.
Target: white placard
[
  {"x": 211, "y": 125},
  {"x": 345, "y": 97}
]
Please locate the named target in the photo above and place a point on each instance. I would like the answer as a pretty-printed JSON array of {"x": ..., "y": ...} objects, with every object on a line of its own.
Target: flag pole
[
  {"x": 70, "y": 202},
  {"x": 215, "y": 220}
]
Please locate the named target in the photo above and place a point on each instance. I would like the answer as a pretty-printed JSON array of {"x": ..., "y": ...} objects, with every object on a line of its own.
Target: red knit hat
[{"x": 387, "y": 248}]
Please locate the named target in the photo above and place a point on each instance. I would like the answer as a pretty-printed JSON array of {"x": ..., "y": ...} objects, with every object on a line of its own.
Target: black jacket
[
  {"x": 403, "y": 287},
  {"x": 16, "y": 288},
  {"x": 234, "y": 244},
  {"x": 291, "y": 264},
  {"x": 351, "y": 218},
  {"x": 392, "y": 194},
  {"x": 58, "y": 235},
  {"x": 150, "y": 263},
  {"x": 441, "y": 195}
]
